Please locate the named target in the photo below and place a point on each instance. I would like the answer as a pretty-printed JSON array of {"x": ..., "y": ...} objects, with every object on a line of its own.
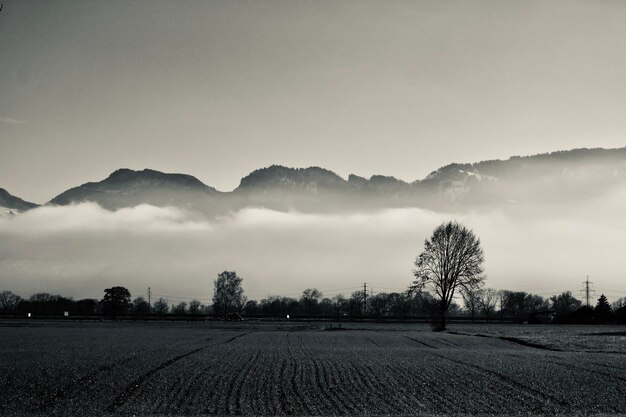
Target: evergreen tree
[{"x": 603, "y": 312}]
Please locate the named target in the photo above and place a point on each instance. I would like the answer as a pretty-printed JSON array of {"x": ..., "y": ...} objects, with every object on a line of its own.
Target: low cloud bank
[{"x": 80, "y": 250}]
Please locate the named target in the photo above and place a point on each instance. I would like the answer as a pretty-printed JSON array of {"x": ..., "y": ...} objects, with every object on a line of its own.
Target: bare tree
[
  {"x": 180, "y": 309},
  {"x": 471, "y": 299},
  {"x": 339, "y": 304},
  {"x": 161, "y": 306},
  {"x": 356, "y": 304},
  {"x": 452, "y": 260},
  {"x": 310, "y": 299},
  {"x": 379, "y": 305},
  {"x": 488, "y": 301},
  {"x": 9, "y": 301},
  {"x": 194, "y": 307},
  {"x": 564, "y": 304},
  {"x": 619, "y": 303},
  {"x": 240, "y": 303},
  {"x": 228, "y": 294},
  {"x": 501, "y": 301},
  {"x": 140, "y": 306}
]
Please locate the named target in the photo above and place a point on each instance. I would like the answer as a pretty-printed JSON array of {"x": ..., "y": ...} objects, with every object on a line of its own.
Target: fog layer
[{"x": 79, "y": 250}]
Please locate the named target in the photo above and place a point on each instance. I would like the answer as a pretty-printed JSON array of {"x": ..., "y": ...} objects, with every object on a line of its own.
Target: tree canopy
[
  {"x": 116, "y": 302},
  {"x": 228, "y": 296},
  {"x": 451, "y": 261}
]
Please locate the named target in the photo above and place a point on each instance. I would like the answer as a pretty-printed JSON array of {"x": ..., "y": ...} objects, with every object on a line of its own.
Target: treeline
[
  {"x": 45, "y": 304},
  {"x": 310, "y": 304},
  {"x": 484, "y": 304},
  {"x": 523, "y": 307}
]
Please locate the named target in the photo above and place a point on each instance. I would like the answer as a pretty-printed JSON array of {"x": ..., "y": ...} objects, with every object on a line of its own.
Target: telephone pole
[{"x": 149, "y": 301}]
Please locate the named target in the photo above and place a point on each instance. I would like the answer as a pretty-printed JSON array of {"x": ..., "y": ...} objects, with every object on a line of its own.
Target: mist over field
[{"x": 80, "y": 249}]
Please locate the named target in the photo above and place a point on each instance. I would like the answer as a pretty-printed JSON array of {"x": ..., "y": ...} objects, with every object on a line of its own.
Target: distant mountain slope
[
  {"x": 11, "y": 202},
  {"x": 544, "y": 178},
  {"x": 125, "y": 187},
  {"x": 317, "y": 189},
  {"x": 558, "y": 177}
]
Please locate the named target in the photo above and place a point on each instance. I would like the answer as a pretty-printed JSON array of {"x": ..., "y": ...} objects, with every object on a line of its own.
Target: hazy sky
[{"x": 219, "y": 88}]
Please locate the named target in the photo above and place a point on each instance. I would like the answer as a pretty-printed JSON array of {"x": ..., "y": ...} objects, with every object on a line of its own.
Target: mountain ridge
[
  {"x": 9, "y": 201},
  {"x": 137, "y": 187},
  {"x": 535, "y": 178}
]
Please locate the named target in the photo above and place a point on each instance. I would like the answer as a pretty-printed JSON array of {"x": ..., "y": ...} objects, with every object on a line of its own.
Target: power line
[
  {"x": 587, "y": 290},
  {"x": 364, "y": 297}
]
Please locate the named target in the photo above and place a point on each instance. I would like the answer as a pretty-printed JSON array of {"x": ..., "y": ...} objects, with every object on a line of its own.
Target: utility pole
[
  {"x": 587, "y": 290},
  {"x": 149, "y": 301},
  {"x": 364, "y": 297}
]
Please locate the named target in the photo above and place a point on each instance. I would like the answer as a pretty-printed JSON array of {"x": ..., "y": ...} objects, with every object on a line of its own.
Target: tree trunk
[
  {"x": 442, "y": 322},
  {"x": 443, "y": 313}
]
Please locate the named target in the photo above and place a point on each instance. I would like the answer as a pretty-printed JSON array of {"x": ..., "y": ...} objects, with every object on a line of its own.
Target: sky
[{"x": 217, "y": 89}]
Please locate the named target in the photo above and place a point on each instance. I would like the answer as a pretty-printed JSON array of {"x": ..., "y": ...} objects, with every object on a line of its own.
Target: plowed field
[{"x": 197, "y": 369}]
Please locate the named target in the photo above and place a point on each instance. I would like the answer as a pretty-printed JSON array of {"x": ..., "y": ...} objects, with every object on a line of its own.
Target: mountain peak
[
  {"x": 281, "y": 177},
  {"x": 153, "y": 177},
  {"x": 126, "y": 185},
  {"x": 11, "y": 202}
]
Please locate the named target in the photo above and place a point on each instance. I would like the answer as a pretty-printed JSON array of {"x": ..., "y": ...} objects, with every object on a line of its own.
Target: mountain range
[{"x": 557, "y": 177}]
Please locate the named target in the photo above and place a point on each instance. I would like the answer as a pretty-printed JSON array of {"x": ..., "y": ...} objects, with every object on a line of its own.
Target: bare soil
[{"x": 93, "y": 369}]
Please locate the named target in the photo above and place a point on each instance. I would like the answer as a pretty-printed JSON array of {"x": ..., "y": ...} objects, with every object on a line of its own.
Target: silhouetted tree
[
  {"x": 356, "y": 304},
  {"x": 563, "y": 305},
  {"x": 140, "y": 306},
  {"x": 9, "y": 301},
  {"x": 603, "y": 312},
  {"x": 240, "y": 303},
  {"x": 194, "y": 307},
  {"x": 41, "y": 297},
  {"x": 520, "y": 305},
  {"x": 452, "y": 260},
  {"x": 116, "y": 302},
  {"x": 515, "y": 305},
  {"x": 310, "y": 299},
  {"x": 379, "y": 305},
  {"x": 339, "y": 304},
  {"x": 326, "y": 307},
  {"x": 47, "y": 304},
  {"x": 471, "y": 299},
  {"x": 180, "y": 309},
  {"x": 251, "y": 307},
  {"x": 277, "y": 306},
  {"x": 620, "y": 315},
  {"x": 619, "y": 303},
  {"x": 88, "y": 306},
  {"x": 488, "y": 299},
  {"x": 584, "y": 315},
  {"x": 619, "y": 310},
  {"x": 401, "y": 304},
  {"x": 161, "y": 306},
  {"x": 228, "y": 296}
]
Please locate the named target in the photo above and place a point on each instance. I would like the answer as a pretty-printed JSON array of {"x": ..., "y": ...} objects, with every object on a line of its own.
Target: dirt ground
[{"x": 93, "y": 369}]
